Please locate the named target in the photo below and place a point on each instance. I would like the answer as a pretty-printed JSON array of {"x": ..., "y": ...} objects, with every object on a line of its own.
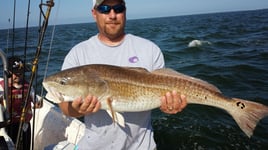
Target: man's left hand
[{"x": 173, "y": 103}]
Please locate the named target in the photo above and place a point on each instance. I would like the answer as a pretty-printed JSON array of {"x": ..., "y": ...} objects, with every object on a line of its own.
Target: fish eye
[{"x": 63, "y": 81}]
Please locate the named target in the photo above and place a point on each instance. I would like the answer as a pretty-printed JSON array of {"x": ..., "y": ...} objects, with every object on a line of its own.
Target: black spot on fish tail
[
  {"x": 241, "y": 105},
  {"x": 247, "y": 114}
]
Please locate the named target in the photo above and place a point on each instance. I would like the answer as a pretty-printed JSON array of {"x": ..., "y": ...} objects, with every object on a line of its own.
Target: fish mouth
[{"x": 54, "y": 95}]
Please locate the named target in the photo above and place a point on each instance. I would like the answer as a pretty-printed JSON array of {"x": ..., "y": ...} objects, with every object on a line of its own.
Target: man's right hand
[
  {"x": 80, "y": 107},
  {"x": 89, "y": 105}
]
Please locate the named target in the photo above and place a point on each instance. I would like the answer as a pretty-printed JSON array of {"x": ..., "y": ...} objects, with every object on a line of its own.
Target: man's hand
[
  {"x": 38, "y": 104},
  {"x": 173, "y": 103},
  {"x": 89, "y": 105}
]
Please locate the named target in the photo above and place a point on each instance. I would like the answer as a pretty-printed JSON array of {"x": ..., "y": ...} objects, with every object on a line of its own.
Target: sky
[{"x": 79, "y": 11}]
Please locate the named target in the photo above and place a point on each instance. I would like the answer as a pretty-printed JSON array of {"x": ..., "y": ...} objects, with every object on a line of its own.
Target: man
[
  {"x": 17, "y": 94},
  {"x": 113, "y": 46}
]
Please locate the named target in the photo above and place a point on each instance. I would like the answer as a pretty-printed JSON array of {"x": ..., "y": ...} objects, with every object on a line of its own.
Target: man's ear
[{"x": 93, "y": 12}]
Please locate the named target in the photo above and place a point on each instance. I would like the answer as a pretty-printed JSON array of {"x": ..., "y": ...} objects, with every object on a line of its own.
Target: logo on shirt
[{"x": 133, "y": 59}]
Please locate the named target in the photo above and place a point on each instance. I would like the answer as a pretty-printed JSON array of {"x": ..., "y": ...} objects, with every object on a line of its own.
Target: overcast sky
[{"x": 79, "y": 11}]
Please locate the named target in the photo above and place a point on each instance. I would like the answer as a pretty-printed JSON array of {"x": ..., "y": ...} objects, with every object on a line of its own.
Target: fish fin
[
  {"x": 173, "y": 73},
  {"x": 117, "y": 117},
  {"x": 138, "y": 69},
  {"x": 248, "y": 114}
]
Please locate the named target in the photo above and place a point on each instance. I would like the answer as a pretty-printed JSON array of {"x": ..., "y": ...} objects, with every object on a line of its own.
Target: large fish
[{"x": 125, "y": 89}]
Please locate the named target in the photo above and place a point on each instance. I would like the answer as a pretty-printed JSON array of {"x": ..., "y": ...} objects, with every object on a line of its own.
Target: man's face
[
  {"x": 111, "y": 25},
  {"x": 16, "y": 77}
]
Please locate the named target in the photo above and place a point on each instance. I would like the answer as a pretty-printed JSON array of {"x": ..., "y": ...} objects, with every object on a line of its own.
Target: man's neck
[{"x": 111, "y": 41}]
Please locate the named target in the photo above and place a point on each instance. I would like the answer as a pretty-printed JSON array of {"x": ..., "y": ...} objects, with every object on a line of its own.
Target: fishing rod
[
  {"x": 5, "y": 100},
  {"x": 49, "y": 4}
]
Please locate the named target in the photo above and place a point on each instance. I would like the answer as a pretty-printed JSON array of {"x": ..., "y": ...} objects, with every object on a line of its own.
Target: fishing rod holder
[{"x": 49, "y": 4}]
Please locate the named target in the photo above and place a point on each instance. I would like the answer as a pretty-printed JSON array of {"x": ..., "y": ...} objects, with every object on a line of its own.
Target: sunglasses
[{"x": 105, "y": 9}]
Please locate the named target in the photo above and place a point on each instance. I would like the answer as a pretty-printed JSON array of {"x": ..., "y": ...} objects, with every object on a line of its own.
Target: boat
[{"x": 51, "y": 129}]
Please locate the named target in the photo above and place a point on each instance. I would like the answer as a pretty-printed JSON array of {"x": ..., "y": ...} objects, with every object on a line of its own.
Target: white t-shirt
[{"x": 101, "y": 133}]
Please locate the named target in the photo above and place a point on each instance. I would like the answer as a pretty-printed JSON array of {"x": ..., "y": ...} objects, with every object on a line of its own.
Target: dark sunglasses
[{"x": 105, "y": 9}]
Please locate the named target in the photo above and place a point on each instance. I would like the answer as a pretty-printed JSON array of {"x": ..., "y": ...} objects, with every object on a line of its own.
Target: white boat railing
[{"x": 54, "y": 128}]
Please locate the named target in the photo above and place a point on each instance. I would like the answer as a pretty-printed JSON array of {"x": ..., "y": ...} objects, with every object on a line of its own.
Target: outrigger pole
[{"x": 49, "y": 5}]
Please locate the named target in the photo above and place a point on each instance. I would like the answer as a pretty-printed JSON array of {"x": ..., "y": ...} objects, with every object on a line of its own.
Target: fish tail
[{"x": 247, "y": 114}]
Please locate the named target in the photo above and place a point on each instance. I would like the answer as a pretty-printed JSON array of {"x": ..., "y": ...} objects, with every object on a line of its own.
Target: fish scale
[{"x": 194, "y": 92}]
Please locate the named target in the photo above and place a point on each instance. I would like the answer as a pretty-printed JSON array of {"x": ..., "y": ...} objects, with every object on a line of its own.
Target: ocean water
[{"x": 230, "y": 51}]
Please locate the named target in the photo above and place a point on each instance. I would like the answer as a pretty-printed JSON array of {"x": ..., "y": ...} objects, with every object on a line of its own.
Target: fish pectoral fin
[{"x": 117, "y": 117}]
